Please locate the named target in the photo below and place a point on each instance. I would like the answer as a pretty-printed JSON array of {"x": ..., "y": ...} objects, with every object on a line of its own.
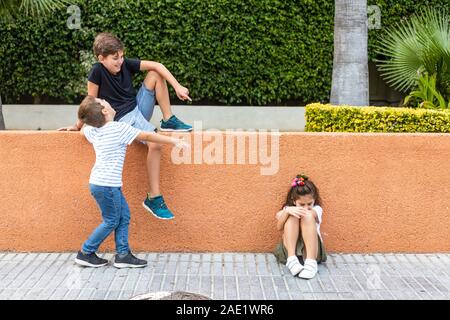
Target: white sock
[
  {"x": 309, "y": 270},
  {"x": 294, "y": 265}
]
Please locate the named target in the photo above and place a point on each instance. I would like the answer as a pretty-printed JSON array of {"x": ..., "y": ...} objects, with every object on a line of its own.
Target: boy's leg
[
  {"x": 155, "y": 86},
  {"x": 107, "y": 201},
  {"x": 154, "y": 201},
  {"x": 124, "y": 257},
  {"x": 136, "y": 119},
  {"x": 154, "y": 167},
  {"x": 154, "y": 82},
  {"x": 121, "y": 232}
]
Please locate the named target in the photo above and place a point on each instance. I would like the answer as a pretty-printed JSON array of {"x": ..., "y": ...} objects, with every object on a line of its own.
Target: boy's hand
[
  {"x": 180, "y": 143},
  {"x": 182, "y": 93},
  {"x": 71, "y": 128}
]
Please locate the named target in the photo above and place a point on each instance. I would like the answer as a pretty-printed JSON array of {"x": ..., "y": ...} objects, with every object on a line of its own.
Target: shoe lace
[{"x": 163, "y": 205}]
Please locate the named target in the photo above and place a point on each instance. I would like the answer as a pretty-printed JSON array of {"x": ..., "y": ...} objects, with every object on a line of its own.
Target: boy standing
[
  {"x": 111, "y": 79},
  {"x": 110, "y": 140}
]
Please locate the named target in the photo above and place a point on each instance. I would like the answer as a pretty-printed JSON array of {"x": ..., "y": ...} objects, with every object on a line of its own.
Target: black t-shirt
[{"x": 117, "y": 89}]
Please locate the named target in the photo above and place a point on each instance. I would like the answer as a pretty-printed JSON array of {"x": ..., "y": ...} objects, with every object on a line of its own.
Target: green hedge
[
  {"x": 327, "y": 118},
  {"x": 225, "y": 51}
]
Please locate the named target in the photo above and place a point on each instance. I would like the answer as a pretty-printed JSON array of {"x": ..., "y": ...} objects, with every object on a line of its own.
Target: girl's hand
[
  {"x": 298, "y": 212},
  {"x": 304, "y": 212},
  {"x": 294, "y": 211},
  {"x": 182, "y": 93}
]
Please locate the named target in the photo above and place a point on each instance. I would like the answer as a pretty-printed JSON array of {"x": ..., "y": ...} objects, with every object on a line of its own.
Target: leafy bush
[
  {"x": 255, "y": 52},
  {"x": 327, "y": 118},
  {"x": 224, "y": 51},
  {"x": 418, "y": 56}
]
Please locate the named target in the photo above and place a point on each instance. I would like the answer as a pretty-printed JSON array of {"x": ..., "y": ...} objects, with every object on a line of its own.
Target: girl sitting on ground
[{"x": 300, "y": 220}]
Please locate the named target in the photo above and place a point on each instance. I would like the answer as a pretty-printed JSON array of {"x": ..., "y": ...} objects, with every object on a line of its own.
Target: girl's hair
[
  {"x": 90, "y": 112},
  {"x": 301, "y": 186}
]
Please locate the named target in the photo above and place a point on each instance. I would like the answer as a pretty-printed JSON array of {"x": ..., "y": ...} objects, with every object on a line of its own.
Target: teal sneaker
[
  {"x": 157, "y": 207},
  {"x": 174, "y": 124}
]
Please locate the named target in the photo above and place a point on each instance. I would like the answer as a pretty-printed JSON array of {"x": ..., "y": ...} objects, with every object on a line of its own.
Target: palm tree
[
  {"x": 418, "y": 47},
  {"x": 35, "y": 8},
  {"x": 350, "y": 82}
]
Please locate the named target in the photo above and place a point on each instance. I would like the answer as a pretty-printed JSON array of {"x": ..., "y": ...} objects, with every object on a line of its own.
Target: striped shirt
[{"x": 110, "y": 145}]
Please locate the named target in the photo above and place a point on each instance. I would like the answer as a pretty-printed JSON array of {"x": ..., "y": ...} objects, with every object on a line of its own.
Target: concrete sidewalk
[{"x": 227, "y": 276}]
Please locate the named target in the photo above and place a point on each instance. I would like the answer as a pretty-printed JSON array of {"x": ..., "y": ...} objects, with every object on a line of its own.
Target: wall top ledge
[{"x": 248, "y": 131}]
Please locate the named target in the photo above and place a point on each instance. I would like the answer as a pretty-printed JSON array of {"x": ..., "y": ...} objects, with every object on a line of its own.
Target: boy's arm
[
  {"x": 160, "y": 138},
  {"x": 182, "y": 92},
  {"x": 92, "y": 91},
  {"x": 76, "y": 127}
]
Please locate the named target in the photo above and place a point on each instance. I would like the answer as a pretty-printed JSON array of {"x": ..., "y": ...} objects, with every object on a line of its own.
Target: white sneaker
[
  {"x": 294, "y": 265},
  {"x": 309, "y": 270}
]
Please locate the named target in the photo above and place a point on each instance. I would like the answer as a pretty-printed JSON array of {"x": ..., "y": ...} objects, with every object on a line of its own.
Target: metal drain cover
[{"x": 166, "y": 295}]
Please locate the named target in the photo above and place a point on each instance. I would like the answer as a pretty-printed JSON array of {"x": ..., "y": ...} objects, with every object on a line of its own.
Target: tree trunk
[
  {"x": 2, "y": 122},
  {"x": 350, "y": 82}
]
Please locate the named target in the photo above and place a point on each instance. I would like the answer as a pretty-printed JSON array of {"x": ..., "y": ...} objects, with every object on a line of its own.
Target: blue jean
[
  {"x": 146, "y": 100},
  {"x": 140, "y": 116},
  {"x": 116, "y": 217}
]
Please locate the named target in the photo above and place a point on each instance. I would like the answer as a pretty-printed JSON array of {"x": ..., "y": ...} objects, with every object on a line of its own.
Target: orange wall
[{"x": 381, "y": 193}]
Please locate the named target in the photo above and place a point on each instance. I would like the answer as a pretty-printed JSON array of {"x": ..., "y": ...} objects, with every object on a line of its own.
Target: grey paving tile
[
  {"x": 193, "y": 283},
  {"x": 243, "y": 287},
  {"x": 228, "y": 276},
  {"x": 256, "y": 289},
  {"x": 206, "y": 284},
  {"x": 231, "y": 292},
  {"x": 218, "y": 287}
]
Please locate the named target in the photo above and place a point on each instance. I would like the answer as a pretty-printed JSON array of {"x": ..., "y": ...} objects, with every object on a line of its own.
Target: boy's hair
[
  {"x": 301, "y": 188},
  {"x": 90, "y": 112},
  {"x": 106, "y": 43}
]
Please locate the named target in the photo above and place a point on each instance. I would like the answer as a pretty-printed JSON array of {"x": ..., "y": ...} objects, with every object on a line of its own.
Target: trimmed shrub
[{"x": 328, "y": 118}]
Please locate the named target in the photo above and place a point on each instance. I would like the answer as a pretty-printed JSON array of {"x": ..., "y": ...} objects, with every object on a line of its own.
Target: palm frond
[
  {"x": 420, "y": 44},
  {"x": 32, "y": 8}
]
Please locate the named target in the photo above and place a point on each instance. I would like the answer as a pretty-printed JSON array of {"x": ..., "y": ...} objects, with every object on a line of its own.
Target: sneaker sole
[
  {"x": 149, "y": 210},
  {"x": 177, "y": 130},
  {"x": 87, "y": 264},
  {"x": 126, "y": 265}
]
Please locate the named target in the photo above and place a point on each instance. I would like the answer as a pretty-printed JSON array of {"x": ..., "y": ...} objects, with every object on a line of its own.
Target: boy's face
[
  {"x": 112, "y": 62},
  {"x": 107, "y": 110}
]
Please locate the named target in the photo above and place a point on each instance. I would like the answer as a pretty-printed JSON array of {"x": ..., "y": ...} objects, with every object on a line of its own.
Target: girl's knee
[
  {"x": 309, "y": 219},
  {"x": 292, "y": 219}
]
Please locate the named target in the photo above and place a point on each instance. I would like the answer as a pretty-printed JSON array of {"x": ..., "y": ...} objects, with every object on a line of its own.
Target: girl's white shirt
[{"x": 319, "y": 211}]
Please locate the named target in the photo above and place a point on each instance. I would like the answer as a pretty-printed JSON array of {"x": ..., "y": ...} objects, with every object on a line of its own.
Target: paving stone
[{"x": 246, "y": 276}]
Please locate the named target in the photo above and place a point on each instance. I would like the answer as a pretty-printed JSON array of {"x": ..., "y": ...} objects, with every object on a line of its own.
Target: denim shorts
[{"x": 140, "y": 116}]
